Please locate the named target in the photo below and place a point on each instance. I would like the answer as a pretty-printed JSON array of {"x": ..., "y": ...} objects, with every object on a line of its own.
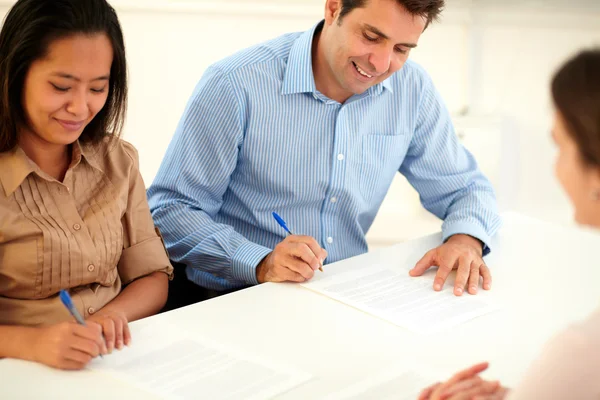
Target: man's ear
[{"x": 332, "y": 10}]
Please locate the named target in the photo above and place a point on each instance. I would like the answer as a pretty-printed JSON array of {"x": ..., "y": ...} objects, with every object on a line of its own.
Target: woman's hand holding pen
[
  {"x": 67, "y": 345},
  {"x": 115, "y": 328},
  {"x": 295, "y": 259}
]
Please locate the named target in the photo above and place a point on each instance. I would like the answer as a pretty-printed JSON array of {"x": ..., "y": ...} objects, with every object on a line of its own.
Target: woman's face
[
  {"x": 66, "y": 89},
  {"x": 579, "y": 180}
]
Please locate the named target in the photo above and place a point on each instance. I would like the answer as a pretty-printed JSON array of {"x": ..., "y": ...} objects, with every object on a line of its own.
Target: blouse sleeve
[{"x": 143, "y": 248}]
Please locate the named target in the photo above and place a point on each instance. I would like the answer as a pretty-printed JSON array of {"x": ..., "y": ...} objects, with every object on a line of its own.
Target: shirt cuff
[
  {"x": 467, "y": 228},
  {"x": 246, "y": 259},
  {"x": 143, "y": 259}
]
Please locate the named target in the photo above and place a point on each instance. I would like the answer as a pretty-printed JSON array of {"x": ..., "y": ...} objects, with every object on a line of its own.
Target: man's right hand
[{"x": 295, "y": 259}]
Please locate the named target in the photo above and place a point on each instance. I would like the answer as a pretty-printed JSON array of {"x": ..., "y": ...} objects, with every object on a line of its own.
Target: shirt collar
[
  {"x": 15, "y": 166},
  {"x": 299, "y": 76}
]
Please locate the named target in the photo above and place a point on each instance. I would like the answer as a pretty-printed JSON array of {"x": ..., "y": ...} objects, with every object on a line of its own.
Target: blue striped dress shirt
[{"x": 257, "y": 136}]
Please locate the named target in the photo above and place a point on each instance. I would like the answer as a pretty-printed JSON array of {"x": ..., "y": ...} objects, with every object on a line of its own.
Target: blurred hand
[
  {"x": 465, "y": 385},
  {"x": 295, "y": 259},
  {"x": 114, "y": 328},
  {"x": 68, "y": 345},
  {"x": 460, "y": 252}
]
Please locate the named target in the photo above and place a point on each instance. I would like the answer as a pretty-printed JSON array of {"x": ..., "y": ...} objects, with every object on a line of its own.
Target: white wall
[{"x": 485, "y": 60}]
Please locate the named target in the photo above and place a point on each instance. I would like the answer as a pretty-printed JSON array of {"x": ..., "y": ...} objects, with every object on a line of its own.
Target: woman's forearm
[
  {"x": 17, "y": 342},
  {"x": 143, "y": 297}
]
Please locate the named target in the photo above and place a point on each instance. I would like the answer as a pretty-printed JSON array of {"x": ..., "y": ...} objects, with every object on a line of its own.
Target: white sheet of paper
[
  {"x": 173, "y": 365},
  {"x": 407, "y": 302},
  {"x": 392, "y": 383}
]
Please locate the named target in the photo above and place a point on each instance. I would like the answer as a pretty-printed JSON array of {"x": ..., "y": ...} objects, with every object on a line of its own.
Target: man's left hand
[{"x": 460, "y": 252}]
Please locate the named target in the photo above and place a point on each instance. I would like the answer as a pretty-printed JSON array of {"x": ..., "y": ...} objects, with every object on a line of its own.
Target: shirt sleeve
[
  {"x": 568, "y": 367},
  {"x": 143, "y": 248},
  {"x": 446, "y": 175},
  {"x": 188, "y": 191}
]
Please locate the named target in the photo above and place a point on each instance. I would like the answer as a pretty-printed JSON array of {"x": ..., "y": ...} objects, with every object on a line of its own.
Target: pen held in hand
[
  {"x": 68, "y": 303},
  {"x": 282, "y": 223}
]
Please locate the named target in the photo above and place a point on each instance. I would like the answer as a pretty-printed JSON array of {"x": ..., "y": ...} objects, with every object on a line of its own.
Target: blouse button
[
  {"x": 91, "y": 267},
  {"x": 91, "y": 310},
  {"x": 77, "y": 227}
]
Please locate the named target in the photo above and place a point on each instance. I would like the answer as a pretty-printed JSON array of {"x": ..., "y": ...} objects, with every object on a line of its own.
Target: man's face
[{"x": 369, "y": 44}]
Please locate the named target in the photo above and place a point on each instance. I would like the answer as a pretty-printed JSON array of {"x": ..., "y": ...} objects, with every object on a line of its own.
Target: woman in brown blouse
[
  {"x": 73, "y": 210},
  {"x": 569, "y": 367}
]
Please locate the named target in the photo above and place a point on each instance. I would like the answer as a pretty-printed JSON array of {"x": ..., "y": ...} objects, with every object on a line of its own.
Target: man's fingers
[
  {"x": 323, "y": 254},
  {"x": 487, "y": 277},
  {"x": 474, "y": 277},
  {"x": 299, "y": 266},
  {"x": 423, "y": 264},
  {"x": 317, "y": 250},
  {"x": 441, "y": 276},
  {"x": 282, "y": 273},
  {"x": 305, "y": 253},
  {"x": 462, "y": 275}
]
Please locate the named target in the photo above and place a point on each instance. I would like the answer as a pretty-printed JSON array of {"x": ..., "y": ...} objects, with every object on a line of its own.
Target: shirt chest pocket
[
  {"x": 381, "y": 157},
  {"x": 22, "y": 266}
]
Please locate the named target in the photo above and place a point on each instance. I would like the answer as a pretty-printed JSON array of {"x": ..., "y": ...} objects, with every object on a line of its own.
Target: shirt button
[
  {"x": 340, "y": 156},
  {"x": 329, "y": 240},
  {"x": 333, "y": 199},
  {"x": 91, "y": 267},
  {"x": 77, "y": 227},
  {"x": 91, "y": 310}
]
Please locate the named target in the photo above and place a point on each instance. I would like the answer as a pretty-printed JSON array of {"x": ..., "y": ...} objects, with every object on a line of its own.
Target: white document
[
  {"x": 393, "y": 383},
  {"x": 176, "y": 366},
  {"x": 398, "y": 298}
]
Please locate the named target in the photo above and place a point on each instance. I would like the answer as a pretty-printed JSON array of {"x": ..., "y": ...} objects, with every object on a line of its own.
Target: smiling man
[{"x": 314, "y": 126}]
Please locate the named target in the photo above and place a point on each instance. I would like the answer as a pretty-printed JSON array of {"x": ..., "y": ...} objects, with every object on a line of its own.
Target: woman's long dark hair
[{"x": 576, "y": 95}]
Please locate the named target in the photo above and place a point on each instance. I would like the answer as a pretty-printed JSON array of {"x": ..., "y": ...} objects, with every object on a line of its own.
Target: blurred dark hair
[
  {"x": 430, "y": 9},
  {"x": 576, "y": 95},
  {"x": 29, "y": 28}
]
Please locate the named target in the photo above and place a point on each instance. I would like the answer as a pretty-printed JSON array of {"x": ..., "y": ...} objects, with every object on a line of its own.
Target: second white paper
[{"x": 407, "y": 302}]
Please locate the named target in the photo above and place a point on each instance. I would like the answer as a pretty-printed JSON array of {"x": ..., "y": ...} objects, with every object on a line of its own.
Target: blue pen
[
  {"x": 66, "y": 300},
  {"x": 282, "y": 223}
]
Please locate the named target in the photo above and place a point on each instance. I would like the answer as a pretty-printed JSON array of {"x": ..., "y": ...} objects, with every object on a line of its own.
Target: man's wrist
[
  {"x": 468, "y": 240},
  {"x": 261, "y": 269}
]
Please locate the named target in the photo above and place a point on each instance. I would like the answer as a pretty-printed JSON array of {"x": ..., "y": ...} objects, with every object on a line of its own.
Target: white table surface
[{"x": 544, "y": 278}]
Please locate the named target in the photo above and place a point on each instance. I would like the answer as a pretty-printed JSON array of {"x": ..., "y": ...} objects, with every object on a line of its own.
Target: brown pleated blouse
[{"x": 91, "y": 233}]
